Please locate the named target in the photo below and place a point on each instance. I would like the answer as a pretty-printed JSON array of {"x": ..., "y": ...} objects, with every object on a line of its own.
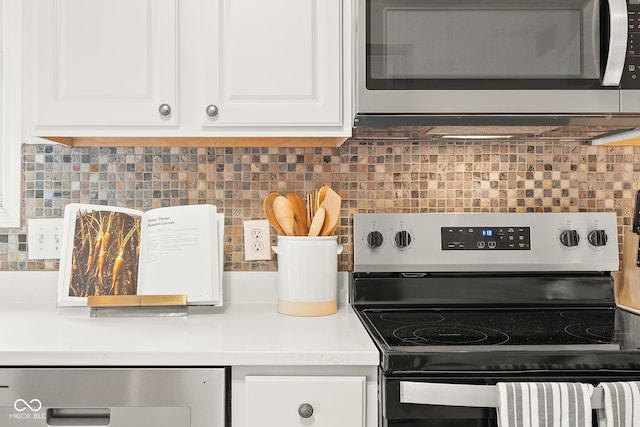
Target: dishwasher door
[{"x": 114, "y": 397}]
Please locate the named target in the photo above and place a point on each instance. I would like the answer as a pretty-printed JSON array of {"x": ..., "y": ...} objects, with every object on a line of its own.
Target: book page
[
  {"x": 180, "y": 254},
  {"x": 99, "y": 252}
]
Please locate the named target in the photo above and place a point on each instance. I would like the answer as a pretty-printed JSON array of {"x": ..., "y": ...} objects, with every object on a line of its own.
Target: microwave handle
[{"x": 617, "y": 43}]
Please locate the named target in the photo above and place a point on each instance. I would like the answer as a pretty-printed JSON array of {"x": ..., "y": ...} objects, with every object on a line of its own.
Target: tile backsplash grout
[{"x": 371, "y": 176}]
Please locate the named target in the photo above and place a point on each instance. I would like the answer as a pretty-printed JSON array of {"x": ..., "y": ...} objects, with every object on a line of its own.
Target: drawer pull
[{"x": 305, "y": 410}]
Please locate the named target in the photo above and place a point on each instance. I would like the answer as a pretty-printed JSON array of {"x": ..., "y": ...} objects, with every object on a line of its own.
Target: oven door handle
[
  {"x": 483, "y": 396},
  {"x": 469, "y": 395}
]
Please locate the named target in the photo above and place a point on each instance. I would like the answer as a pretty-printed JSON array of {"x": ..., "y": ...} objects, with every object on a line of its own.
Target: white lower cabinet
[
  {"x": 303, "y": 401},
  {"x": 317, "y": 396}
]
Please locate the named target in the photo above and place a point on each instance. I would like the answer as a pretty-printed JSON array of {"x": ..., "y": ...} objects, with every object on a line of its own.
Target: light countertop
[{"x": 247, "y": 330}]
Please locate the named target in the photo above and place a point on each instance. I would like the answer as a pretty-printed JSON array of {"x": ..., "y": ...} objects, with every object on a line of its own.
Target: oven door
[
  {"x": 465, "y": 56},
  {"x": 440, "y": 401}
]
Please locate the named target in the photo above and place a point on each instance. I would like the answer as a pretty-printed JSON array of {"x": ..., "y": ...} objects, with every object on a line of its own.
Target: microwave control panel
[{"x": 631, "y": 72}]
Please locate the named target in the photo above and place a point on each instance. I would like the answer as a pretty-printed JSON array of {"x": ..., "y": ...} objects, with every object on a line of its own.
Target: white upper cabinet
[
  {"x": 10, "y": 112},
  {"x": 207, "y": 68},
  {"x": 106, "y": 62},
  {"x": 273, "y": 62}
]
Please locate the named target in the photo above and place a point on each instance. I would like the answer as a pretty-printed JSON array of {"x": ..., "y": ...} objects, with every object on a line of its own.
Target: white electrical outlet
[
  {"x": 44, "y": 238},
  {"x": 257, "y": 240}
]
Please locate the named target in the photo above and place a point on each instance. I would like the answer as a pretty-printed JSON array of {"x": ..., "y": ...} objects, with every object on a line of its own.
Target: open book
[{"x": 108, "y": 250}]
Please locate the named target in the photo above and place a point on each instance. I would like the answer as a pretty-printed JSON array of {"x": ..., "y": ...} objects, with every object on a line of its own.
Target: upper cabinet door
[
  {"x": 272, "y": 63},
  {"x": 106, "y": 62}
]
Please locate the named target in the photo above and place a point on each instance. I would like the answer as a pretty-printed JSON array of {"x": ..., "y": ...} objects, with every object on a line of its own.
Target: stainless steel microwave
[{"x": 498, "y": 56}]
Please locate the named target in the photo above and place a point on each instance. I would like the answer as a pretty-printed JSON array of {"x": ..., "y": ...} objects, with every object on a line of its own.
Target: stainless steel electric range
[{"x": 478, "y": 298}]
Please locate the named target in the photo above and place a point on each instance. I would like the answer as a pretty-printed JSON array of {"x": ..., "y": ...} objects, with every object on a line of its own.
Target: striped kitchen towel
[
  {"x": 530, "y": 404},
  {"x": 621, "y": 405}
]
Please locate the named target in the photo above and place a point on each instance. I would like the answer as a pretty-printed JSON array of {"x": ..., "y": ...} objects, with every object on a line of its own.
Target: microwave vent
[
  {"x": 447, "y": 128},
  {"x": 531, "y": 131}
]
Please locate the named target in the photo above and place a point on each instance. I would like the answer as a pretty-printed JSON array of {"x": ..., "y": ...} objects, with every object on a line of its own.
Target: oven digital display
[{"x": 486, "y": 238}]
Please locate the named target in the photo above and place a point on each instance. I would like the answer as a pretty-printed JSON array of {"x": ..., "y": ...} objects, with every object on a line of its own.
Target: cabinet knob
[
  {"x": 164, "y": 109},
  {"x": 212, "y": 110},
  {"x": 305, "y": 410}
]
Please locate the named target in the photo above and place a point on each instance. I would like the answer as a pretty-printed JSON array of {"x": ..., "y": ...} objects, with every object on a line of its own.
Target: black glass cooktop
[{"x": 419, "y": 329}]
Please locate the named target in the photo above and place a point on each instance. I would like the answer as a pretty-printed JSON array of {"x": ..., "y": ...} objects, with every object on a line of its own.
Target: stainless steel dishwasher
[{"x": 115, "y": 397}]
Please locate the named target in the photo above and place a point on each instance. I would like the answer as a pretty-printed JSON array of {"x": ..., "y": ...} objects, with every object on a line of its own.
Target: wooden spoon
[
  {"x": 267, "y": 205},
  {"x": 299, "y": 214},
  {"x": 320, "y": 194},
  {"x": 318, "y": 221},
  {"x": 331, "y": 204},
  {"x": 283, "y": 212}
]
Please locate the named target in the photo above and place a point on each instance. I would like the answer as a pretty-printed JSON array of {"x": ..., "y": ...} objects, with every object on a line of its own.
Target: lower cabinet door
[{"x": 305, "y": 401}]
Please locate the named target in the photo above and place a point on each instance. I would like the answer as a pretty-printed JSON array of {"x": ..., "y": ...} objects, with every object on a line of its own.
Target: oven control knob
[
  {"x": 570, "y": 238},
  {"x": 597, "y": 238},
  {"x": 375, "y": 239},
  {"x": 402, "y": 239}
]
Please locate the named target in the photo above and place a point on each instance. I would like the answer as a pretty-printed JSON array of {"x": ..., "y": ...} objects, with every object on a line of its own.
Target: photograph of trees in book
[{"x": 106, "y": 246}]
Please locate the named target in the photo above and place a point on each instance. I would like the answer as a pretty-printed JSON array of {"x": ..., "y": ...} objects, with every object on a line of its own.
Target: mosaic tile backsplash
[{"x": 371, "y": 176}]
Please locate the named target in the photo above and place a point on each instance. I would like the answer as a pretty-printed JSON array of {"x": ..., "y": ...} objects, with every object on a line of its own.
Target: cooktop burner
[
  {"x": 450, "y": 335},
  {"x": 517, "y": 328}
]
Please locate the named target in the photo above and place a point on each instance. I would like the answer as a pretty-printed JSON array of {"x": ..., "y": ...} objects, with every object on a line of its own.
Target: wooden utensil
[
  {"x": 267, "y": 206},
  {"x": 300, "y": 225},
  {"x": 311, "y": 209},
  {"x": 628, "y": 289},
  {"x": 331, "y": 204},
  {"x": 317, "y": 223},
  {"x": 320, "y": 194},
  {"x": 283, "y": 212}
]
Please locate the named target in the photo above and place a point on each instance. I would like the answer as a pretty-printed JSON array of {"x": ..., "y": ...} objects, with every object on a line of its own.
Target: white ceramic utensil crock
[{"x": 307, "y": 275}]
